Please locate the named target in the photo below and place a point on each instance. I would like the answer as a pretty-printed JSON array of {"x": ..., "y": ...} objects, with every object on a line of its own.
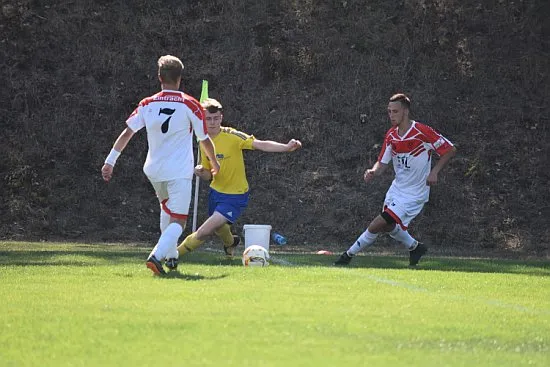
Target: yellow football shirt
[{"x": 229, "y": 143}]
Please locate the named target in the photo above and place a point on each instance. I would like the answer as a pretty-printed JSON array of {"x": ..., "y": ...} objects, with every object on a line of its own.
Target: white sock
[
  {"x": 164, "y": 220},
  {"x": 366, "y": 239},
  {"x": 154, "y": 250},
  {"x": 402, "y": 236},
  {"x": 168, "y": 240},
  {"x": 173, "y": 252}
]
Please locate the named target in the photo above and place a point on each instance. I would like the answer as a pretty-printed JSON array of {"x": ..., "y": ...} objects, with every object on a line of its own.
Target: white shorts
[
  {"x": 174, "y": 196},
  {"x": 402, "y": 209}
]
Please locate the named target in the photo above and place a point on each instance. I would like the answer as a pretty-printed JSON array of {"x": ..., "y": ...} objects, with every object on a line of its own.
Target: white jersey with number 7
[{"x": 170, "y": 117}]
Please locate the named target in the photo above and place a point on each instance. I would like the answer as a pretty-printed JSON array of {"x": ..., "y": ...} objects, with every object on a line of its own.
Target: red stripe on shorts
[
  {"x": 169, "y": 212},
  {"x": 395, "y": 217}
]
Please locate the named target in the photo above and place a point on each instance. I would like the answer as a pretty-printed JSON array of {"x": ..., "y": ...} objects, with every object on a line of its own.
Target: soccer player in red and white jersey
[
  {"x": 409, "y": 146},
  {"x": 170, "y": 117}
]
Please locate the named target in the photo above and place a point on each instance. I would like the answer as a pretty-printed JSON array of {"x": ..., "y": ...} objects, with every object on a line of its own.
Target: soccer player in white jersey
[
  {"x": 169, "y": 117},
  {"x": 409, "y": 146}
]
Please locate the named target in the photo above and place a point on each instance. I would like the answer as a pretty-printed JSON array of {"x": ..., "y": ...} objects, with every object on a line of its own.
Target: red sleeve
[
  {"x": 438, "y": 142},
  {"x": 197, "y": 110},
  {"x": 385, "y": 147}
]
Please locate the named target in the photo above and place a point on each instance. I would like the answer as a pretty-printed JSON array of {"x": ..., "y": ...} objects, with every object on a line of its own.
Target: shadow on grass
[
  {"x": 200, "y": 258},
  {"x": 74, "y": 257},
  {"x": 177, "y": 274},
  {"x": 531, "y": 267},
  {"x": 184, "y": 276},
  {"x": 89, "y": 255},
  {"x": 100, "y": 256}
]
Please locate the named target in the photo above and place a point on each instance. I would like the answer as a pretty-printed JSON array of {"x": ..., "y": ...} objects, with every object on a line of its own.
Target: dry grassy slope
[{"x": 72, "y": 72}]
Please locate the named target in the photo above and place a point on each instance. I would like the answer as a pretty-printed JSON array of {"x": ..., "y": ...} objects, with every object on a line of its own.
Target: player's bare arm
[
  {"x": 442, "y": 162},
  {"x": 376, "y": 170},
  {"x": 118, "y": 147},
  {"x": 275, "y": 147},
  {"x": 210, "y": 151}
]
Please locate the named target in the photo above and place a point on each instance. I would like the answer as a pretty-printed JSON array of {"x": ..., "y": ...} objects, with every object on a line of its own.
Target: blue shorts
[{"x": 228, "y": 205}]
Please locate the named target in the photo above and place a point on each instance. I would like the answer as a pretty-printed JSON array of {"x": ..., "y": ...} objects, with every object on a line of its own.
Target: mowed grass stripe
[
  {"x": 494, "y": 302},
  {"x": 96, "y": 304}
]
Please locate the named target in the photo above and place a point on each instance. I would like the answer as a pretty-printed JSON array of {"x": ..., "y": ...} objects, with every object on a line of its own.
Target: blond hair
[{"x": 170, "y": 68}]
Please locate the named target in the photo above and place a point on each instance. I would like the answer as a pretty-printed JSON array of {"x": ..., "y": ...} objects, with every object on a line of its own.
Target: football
[{"x": 255, "y": 255}]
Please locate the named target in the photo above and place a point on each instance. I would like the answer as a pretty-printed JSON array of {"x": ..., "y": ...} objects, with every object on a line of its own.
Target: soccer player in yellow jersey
[{"x": 228, "y": 195}]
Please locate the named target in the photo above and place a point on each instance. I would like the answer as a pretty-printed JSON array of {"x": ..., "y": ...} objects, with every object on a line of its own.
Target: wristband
[{"x": 112, "y": 157}]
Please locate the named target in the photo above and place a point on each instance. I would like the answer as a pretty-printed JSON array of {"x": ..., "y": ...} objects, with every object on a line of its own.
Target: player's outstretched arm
[
  {"x": 118, "y": 147},
  {"x": 275, "y": 147}
]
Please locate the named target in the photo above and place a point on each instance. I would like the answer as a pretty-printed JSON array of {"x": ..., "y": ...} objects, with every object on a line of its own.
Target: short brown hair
[
  {"x": 170, "y": 68},
  {"x": 212, "y": 105},
  {"x": 402, "y": 98}
]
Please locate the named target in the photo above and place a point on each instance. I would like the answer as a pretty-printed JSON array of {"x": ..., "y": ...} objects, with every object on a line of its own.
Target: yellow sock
[
  {"x": 225, "y": 234},
  {"x": 189, "y": 244}
]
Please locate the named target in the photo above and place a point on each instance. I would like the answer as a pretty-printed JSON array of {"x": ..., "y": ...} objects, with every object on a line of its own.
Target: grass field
[{"x": 92, "y": 305}]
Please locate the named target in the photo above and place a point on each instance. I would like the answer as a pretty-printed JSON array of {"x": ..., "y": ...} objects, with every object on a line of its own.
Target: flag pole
[{"x": 204, "y": 95}]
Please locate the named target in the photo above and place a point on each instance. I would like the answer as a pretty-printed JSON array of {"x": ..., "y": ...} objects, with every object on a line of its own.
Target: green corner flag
[
  {"x": 204, "y": 92},
  {"x": 204, "y": 96}
]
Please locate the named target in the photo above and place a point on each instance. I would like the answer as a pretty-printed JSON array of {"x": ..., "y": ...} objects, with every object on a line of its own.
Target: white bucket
[{"x": 257, "y": 234}]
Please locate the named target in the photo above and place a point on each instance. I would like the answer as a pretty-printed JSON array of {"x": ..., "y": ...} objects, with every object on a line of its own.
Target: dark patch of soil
[{"x": 321, "y": 72}]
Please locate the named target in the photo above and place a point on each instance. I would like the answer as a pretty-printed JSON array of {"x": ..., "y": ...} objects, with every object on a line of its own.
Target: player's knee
[
  {"x": 389, "y": 220},
  {"x": 382, "y": 223},
  {"x": 181, "y": 221},
  {"x": 378, "y": 225}
]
